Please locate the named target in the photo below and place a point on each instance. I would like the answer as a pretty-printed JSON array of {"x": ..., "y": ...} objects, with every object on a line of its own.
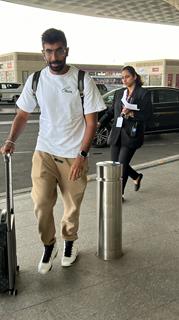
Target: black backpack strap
[
  {"x": 81, "y": 75},
  {"x": 35, "y": 81}
]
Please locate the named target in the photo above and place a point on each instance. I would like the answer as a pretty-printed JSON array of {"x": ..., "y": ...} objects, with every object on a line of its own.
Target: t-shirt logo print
[{"x": 67, "y": 90}]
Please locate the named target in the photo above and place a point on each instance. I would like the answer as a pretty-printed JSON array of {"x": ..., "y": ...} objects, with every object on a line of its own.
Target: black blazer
[{"x": 122, "y": 136}]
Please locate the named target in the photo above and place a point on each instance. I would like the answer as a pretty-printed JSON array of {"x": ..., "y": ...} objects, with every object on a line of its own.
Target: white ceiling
[{"x": 155, "y": 11}]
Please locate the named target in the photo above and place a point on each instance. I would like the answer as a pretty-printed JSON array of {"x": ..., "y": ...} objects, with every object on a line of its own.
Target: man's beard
[{"x": 57, "y": 65}]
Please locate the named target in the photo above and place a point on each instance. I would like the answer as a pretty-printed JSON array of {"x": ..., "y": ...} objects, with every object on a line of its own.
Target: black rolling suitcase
[{"x": 8, "y": 258}]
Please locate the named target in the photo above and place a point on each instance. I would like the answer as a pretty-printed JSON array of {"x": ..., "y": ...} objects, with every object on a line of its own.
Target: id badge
[{"x": 119, "y": 122}]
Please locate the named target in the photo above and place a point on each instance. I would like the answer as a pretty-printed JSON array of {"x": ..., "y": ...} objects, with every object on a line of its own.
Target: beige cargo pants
[{"x": 48, "y": 172}]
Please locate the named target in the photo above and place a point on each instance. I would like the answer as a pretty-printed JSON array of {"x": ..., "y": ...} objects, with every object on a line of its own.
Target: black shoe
[{"x": 137, "y": 186}]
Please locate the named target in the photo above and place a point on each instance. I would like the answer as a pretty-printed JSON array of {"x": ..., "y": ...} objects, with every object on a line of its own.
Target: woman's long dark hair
[{"x": 132, "y": 71}]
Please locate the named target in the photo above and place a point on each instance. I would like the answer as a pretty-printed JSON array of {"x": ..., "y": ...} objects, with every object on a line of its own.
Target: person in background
[
  {"x": 66, "y": 131},
  {"x": 131, "y": 109}
]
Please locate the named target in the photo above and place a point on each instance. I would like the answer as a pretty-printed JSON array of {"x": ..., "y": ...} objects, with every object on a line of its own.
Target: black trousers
[{"x": 124, "y": 155}]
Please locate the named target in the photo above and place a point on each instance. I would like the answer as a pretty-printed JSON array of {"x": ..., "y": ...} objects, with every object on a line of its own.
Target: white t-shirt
[{"x": 62, "y": 123}]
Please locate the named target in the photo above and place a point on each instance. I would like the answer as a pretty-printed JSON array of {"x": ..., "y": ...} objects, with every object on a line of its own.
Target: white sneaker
[
  {"x": 70, "y": 253},
  {"x": 49, "y": 254}
]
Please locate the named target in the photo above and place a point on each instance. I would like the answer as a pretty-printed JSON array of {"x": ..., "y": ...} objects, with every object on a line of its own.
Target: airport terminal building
[
  {"x": 163, "y": 72},
  {"x": 17, "y": 66}
]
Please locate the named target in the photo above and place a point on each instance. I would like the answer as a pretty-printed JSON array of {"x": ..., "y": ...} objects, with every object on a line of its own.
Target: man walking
[{"x": 66, "y": 130}]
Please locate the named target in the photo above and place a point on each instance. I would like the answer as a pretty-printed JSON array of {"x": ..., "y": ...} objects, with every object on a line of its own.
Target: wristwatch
[{"x": 82, "y": 154}]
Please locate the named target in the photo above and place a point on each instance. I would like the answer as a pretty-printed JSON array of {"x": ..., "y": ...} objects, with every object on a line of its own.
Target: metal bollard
[{"x": 109, "y": 210}]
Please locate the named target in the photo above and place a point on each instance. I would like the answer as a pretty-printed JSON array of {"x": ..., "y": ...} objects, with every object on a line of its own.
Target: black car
[
  {"x": 102, "y": 88},
  {"x": 165, "y": 103}
]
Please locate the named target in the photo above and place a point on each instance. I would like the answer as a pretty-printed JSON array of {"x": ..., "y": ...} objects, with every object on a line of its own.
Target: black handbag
[{"x": 131, "y": 128}]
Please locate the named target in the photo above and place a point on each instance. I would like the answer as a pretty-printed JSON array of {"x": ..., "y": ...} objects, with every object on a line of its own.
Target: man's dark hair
[{"x": 53, "y": 35}]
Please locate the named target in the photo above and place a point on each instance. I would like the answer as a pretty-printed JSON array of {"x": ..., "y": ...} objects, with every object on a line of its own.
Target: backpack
[{"x": 81, "y": 75}]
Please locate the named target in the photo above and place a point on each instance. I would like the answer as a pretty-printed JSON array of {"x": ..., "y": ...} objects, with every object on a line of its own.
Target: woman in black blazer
[{"x": 127, "y": 133}]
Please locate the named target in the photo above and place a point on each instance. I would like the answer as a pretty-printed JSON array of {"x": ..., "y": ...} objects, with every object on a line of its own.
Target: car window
[
  {"x": 3, "y": 86},
  {"x": 168, "y": 96},
  {"x": 109, "y": 98},
  {"x": 13, "y": 85},
  {"x": 9, "y": 85}
]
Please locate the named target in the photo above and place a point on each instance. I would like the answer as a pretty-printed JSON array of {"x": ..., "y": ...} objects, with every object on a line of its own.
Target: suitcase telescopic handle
[{"x": 9, "y": 187}]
